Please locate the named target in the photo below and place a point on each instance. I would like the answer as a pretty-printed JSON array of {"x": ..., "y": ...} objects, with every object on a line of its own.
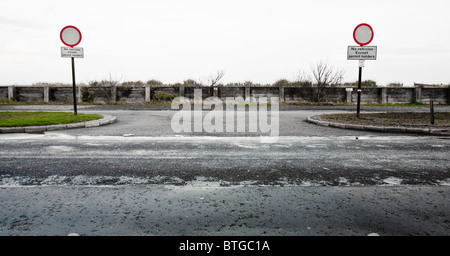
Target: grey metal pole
[
  {"x": 74, "y": 88},
  {"x": 358, "y": 106},
  {"x": 432, "y": 112}
]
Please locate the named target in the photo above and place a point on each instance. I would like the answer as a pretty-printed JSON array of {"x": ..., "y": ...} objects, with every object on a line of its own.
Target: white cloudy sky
[{"x": 251, "y": 40}]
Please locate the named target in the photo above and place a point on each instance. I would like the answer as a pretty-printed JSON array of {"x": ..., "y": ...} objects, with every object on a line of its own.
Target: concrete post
[
  {"x": 147, "y": 94},
  {"x": 10, "y": 92},
  {"x": 79, "y": 95},
  {"x": 46, "y": 94},
  {"x": 349, "y": 96},
  {"x": 281, "y": 94},
  {"x": 181, "y": 94},
  {"x": 417, "y": 94},
  {"x": 247, "y": 94},
  {"x": 384, "y": 95},
  {"x": 113, "y": 93}
]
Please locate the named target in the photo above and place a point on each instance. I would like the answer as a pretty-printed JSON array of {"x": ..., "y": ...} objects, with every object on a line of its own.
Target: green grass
[{"x": 21, "y": 119}]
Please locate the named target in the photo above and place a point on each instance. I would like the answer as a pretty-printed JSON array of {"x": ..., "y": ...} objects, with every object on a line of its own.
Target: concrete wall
[
  {"x": 61, "y": 94},
  {"x": 438, "y": 95},
  {"x": 233, "y": 92},
  {"x": 189, "y": 92},
  {"x": 368, "y": 95},
  {"x": 28, "y": 94},
  {"x": 299, "y": 94},
  {"x": 167, "y": 90},
  {"x": 3, "y": 93},
  {"x": 335, "y": 94},
  {"x": 268, "y": 92},
  {"x": 400, "y": 95},
  {"x": 137, "y": 95},
  {"x": 140, "y": 94}
]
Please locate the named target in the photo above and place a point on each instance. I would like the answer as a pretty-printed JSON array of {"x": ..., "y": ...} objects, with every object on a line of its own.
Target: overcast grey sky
[{"x": 251, "y": 40}]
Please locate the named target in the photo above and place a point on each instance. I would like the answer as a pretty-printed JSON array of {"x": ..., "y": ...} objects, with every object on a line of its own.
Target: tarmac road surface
[
  {"x": 137, "y": 177},
  {"x": 107, "y": 160},
  {"x": 208, "y": 209}
]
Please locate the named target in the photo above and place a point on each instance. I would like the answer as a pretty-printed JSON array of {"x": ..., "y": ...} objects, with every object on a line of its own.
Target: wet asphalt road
[
  {"x": 61, "y": 159},
  {"x": 138, "y": 177},
  {"x": 207, "y": 209}
]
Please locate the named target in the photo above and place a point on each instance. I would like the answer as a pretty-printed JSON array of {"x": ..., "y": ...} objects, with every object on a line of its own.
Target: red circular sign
[
  {"x": 70, "y": 36},
  {"x": 363, "y": 34}
]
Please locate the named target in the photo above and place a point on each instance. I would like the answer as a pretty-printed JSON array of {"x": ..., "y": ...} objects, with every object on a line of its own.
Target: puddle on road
[{"x": 198, "y": 183}]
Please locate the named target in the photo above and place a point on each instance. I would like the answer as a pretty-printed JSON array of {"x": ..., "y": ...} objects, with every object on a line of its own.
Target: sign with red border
[
  {"x": 70, "y": 36},
  {"x": 363, "y": 34}
]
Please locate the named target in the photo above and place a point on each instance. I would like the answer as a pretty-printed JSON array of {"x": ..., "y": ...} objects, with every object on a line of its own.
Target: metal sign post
[
  {"x": 71, "y": 36},
  {"x": 74, "y": 87},
  {"x": 363, "y": 35},
  {"x": 358, "y": 105}
]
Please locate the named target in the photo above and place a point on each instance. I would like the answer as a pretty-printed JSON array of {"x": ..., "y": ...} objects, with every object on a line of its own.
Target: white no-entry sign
[
  {"x": 363, "y": 34},
  {"x": 70, "y": 36}
]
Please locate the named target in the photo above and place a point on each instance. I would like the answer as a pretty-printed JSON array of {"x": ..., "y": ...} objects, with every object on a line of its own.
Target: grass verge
[
  {"x": 413, "y": 119},
  {"x": 21, "y": 119}
]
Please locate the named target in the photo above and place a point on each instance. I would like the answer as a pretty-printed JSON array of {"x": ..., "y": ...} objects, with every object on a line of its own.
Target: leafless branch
[
  {"x": 325, "y": 76},
  {"x": 214, "y": 79}
]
